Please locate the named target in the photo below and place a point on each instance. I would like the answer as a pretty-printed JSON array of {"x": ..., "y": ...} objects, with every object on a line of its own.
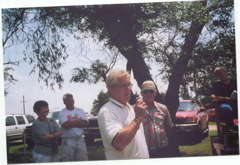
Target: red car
[
  {"x": 211, "y": 114},
  {"x": 191, "y": 123}
]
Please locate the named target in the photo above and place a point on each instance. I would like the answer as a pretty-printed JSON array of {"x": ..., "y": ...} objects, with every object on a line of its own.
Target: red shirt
[{"x": 155, "y": 125}]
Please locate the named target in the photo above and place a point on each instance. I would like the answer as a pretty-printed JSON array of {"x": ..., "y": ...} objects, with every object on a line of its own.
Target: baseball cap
[
  {"x": 66, "y": 95},
  {"x": 148, "y": 85},
  {"x": 219, "y": 69}
]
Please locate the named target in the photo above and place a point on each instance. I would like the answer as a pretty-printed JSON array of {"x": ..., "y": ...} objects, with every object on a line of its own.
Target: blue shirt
[{"x": 38, "y": 129}]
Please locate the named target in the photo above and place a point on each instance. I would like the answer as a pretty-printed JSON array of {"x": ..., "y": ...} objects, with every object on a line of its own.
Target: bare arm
[
  {"x": 79, "y": 123},
  {"x": 218, "y": 98},
  {"x": 125, "y": 135},
  {"x": 48, "y": 137}
]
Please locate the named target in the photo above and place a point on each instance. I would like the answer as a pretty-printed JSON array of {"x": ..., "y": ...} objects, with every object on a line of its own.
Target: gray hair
[{"x": 114, "y": 75}]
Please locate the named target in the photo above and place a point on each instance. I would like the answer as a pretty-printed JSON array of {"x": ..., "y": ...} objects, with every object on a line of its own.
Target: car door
[
  {"x": 11, "y": 125},
  {"x": 21, "y": 123}
]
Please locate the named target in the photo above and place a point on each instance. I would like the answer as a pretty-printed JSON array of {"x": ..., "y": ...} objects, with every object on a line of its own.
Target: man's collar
[
  {"x": 155, "y": 104},
  {"x": 120, "y": 105}
]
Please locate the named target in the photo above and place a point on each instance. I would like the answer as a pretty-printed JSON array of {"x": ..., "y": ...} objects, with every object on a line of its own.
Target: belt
[{"x": 79, "y": 137}]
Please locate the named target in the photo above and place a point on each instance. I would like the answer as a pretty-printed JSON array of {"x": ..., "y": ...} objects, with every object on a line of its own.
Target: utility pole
[{"x": 23, "y": 105}]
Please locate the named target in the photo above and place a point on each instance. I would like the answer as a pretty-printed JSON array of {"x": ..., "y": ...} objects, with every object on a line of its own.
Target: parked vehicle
[
  {"x": 16, "y": 125},
  {"x": 211, "y": 114},
  {"x": 54, "y": 115},
  {"x": 28, "y": 136},
  {"x": 92, "y": 131},
  {"x": 191, "y": 123}
]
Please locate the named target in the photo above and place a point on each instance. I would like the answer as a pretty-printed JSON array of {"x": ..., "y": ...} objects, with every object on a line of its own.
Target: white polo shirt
[{"x": 112, "y": 117}]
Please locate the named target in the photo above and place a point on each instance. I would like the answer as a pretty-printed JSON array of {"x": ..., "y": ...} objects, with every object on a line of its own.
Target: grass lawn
[
  {"x": 201, "y": 149},
  {"x": 16, "y": 153},
  {"x": 212, "y": 123}
]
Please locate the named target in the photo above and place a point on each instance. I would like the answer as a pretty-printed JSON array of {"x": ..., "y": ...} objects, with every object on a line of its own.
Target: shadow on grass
[
  {"x": 16, "y": 154},
  {"x": 202, "y": 149}
]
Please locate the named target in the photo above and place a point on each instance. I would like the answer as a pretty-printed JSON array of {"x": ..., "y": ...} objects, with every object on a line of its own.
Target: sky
[
  {"x": 32, "y": 90},
  {"x": 84, "y": 94}
]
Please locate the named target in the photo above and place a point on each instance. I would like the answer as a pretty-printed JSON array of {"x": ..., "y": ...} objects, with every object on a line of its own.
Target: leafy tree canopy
[{"x": 185, "y": 39}]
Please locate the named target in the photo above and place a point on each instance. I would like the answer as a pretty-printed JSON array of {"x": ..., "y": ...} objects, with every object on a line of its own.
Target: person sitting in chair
[{"x": 221, "y": 92}]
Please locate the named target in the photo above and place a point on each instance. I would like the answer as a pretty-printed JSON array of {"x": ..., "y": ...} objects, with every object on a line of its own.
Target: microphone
[{"x": 138, "y": 98}]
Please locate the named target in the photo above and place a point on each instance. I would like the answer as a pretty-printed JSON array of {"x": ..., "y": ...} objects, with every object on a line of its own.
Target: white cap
[
  {"x": 148, "y": 85},
  {"x": 66, "y": 95}
]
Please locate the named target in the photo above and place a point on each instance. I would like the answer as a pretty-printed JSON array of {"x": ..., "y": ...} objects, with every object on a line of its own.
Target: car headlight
[{"x": 191, "y": 120}]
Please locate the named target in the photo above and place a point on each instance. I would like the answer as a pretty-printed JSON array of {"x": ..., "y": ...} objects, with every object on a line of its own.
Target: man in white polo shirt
[{"x": 120, "y": 124}]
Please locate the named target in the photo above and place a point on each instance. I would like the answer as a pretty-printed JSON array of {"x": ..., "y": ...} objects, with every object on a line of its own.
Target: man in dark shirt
[{"x": 221, "y": 92}]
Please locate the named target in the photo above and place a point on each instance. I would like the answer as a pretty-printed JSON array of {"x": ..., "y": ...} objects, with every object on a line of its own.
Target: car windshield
[
  {"x": 186, "y": 106},
  {"x": 53, "y": 115}
]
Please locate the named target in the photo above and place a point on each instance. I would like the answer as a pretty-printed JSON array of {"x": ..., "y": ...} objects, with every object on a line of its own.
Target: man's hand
[
  {"x": 140, "y": 109},
  {"x": 125, "y": 135}
]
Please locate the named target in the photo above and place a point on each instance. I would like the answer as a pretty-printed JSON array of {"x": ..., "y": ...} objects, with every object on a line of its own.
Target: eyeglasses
[
  {"x": 148, "y": 91},
  {"x": 124, "y": 85}
]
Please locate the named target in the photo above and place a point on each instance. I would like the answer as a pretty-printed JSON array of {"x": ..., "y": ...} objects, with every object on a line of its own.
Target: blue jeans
[
  {"x": 226, "y": 114},
  {"x": 39, "y": 158},
  {"x": 74, "y": 149}
]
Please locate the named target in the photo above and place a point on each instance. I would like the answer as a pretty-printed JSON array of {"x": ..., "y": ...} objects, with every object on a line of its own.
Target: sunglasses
[{"x": 148, "y": 91}]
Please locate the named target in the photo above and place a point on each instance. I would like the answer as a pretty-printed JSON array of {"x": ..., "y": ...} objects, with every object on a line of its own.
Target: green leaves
[
  {"x": 97, "y": 72},
  {"x": 102, "y": 98},
  {"x": 164, "y": 33}
]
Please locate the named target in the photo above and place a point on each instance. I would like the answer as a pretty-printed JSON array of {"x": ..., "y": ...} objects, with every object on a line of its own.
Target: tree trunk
[
  {"x": 125, "y": 39},
  {"x": 172, "y": 95}
]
